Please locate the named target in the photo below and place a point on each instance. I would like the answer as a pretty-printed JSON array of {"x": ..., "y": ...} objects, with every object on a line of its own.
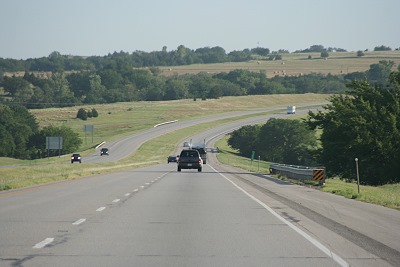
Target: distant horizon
[
  {"x": 227, "y": 52},
  {"x": 35, "y": 29}
]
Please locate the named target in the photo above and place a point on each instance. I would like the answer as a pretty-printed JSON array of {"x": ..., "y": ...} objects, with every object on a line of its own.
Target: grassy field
[
  {"x": 295, "y": 64},
  {"x": 387, "y": 195}
]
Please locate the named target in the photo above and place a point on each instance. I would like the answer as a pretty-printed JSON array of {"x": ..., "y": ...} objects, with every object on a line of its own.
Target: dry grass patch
[{"x": 295, "y": 64}]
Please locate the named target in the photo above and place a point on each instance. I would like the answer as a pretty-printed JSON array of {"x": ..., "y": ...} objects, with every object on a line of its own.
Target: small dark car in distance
[
  {"x": 76, "y": 157},
  {"x": 172, "y": 159},
  {"x": 190, "y": 159},
  {"x": 104, "y": 151}
]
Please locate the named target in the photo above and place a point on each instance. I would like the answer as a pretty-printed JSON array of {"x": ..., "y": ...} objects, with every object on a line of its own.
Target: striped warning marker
[{"x": 318, "y": 175}]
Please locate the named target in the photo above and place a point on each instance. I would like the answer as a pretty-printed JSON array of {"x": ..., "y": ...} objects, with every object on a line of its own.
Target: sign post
[
  {"x": 358, "y": 176},
  {"x": 54, "y": 142},
  {"x": 88, "y": 128}
]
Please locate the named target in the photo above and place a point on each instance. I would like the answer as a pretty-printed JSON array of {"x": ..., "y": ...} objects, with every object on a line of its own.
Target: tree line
[
  {"x": 137, "y": 59},
  {"x": 21, "y": 137},
  {"x": 111, "y": 85},
  {"x": 362, "y": 123}
]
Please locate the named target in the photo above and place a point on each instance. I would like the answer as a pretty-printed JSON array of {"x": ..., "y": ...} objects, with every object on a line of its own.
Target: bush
[
  {"x": 82, "y": 114},
  {"x": 324, "y": 54},
  {"x": 95, "y": 114}
]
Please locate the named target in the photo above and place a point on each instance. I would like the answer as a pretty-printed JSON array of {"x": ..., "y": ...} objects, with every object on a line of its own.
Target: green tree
[
  {"x": 57, "y": 61},
  {"x": 79, "y": 84},
  {"x": 95, "y": 113},
  {"x": 245, "y": 139},
  {"x": 324, "y": 54},
  {"x": 17, "y": 127},
  {"x": 365, "y": 124},
  {"x": 382, "y": 48},
  {"x": 82, "y": 114},
  {"x": 360, "y": 53},
  {"x": 240, "y": 56},
  {"x": 260, "y": 51},
  {"x": 176, "y": 88},
  {"x": 200, "y": 85},
  {"x": 378, "y": 74},
  {"x": 6, "y": 141},
  {"x": 62, "y": 93},
  {"x": 287, "y": 141},
  {"x": 15, "y": 86},
  {"x": 110, "y": 78},
  {"x": 96, "y": 91}
]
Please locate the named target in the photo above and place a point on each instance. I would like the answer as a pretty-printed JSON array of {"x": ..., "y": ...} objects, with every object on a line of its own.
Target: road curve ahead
[{"x": 223, "y": 216}]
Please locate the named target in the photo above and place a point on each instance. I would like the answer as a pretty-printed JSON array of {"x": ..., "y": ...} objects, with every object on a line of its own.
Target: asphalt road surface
[{"x": 223, "y": 216}]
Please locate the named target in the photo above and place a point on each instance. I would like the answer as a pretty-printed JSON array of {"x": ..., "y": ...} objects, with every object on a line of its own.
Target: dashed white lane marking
[
  {"x": 315, "y": 242},
  {"x": 127, "y": 194},
  {"x": 101, "y": 209},
  {"x": 147, "y": 183},
  {"x": 116, "y": 200},
  {"x": 44, "y": 243},
  {"x": 142, "y": 186},
  {"x": 78, "y": 222},
  {"x": 135, "y": 190}
]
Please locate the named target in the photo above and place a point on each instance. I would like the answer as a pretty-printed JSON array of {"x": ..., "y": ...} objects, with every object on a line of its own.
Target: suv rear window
[{"x": 189, "y": 153}]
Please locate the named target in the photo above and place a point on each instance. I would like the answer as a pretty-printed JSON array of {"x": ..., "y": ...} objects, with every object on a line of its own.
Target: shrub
[
  {"x": 82, "y": 114},
  {"x": 95, "y": 114},
  {"x": 324, "y": 54}
]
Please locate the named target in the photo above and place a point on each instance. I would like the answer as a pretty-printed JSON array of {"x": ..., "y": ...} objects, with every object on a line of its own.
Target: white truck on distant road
[{"x": 291, "y": 110}]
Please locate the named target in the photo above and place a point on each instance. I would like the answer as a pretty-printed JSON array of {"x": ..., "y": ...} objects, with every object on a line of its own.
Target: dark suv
[
  {"x": 76, "y": 157},
  {"x": 190, "y": 159},
  {"x": 104, "y": 151}
]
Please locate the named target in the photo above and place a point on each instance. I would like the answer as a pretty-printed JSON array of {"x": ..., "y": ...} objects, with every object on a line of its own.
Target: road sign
[{"x": 253, "y": 153}]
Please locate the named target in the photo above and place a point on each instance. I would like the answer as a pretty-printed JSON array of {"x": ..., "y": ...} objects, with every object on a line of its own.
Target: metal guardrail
[{"x": 300, "y": 173}]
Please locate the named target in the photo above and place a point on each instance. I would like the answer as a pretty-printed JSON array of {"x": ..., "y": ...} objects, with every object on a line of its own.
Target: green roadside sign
[{"x": 252, "y": 155}]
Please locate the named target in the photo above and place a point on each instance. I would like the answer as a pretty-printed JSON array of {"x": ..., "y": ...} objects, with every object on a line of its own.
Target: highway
[
  {"x": 126, "y": 146},
  {"x": 223, "y": 216}
]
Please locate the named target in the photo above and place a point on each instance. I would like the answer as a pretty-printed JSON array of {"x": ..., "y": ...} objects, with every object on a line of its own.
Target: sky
[{"x": 36, "y": 28}]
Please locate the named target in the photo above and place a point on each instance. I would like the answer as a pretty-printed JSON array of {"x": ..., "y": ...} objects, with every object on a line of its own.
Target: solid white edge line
[
  {"x": 315, "y": 242},
  {"x": 43, "y": 243},
  {"x": 78, "y": 222},
  {"x": 101, "y": 209}
]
